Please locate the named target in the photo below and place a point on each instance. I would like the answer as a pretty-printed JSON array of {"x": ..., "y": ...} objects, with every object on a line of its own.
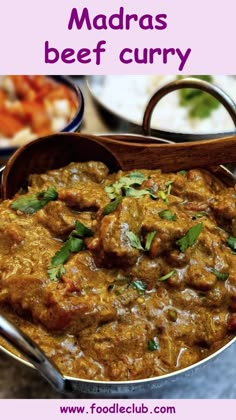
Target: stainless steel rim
[
  {"x": 35, "y": 358},
  {"x": 188, "y": 82}
]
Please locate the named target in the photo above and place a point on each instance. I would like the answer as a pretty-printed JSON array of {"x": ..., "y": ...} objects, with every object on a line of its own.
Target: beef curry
[{"x": 121, "y": 276}]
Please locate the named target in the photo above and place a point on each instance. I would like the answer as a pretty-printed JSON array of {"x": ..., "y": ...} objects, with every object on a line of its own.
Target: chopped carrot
[{"x": 9, "y": 125}]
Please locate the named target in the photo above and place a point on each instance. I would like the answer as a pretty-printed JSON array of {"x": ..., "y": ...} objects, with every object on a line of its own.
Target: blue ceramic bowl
[{"x": 73, "y": 125}]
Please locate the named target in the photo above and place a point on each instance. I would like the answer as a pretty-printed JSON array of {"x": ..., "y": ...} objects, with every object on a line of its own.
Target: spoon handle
[
  {"x": 32, "y": 353},
  {"x": 173, "y": 157}
]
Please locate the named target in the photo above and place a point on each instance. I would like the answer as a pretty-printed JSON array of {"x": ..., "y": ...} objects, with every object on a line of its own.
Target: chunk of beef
[
  {"x": 50, "y": 304},
  {"x": 85, "y": 196},
  {"x": 198, "y": 277},
  {"x": 11, "y": 234},
  {"x": 197, "y": 186},
  {"x": 111, "y": 246},
  {"x": 60, "y": 220},
  {"x": 168, "y": 231},
  {"x": 224, "y": 210},
  {"x": 70, "y": 176},
  {"x": 113, "y": 340},
  {"x": 79, "y": 300}
]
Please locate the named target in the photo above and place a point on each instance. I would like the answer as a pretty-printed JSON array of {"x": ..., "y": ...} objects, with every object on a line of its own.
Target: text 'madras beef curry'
[{"x": 122, "y": 276}]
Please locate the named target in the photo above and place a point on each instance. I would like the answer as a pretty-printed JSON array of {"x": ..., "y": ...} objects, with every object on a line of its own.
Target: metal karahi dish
[
  {"x": 116, "y": 152},
  {"x": 28, "y": 349},
  {"x": 183, "y": 115}
]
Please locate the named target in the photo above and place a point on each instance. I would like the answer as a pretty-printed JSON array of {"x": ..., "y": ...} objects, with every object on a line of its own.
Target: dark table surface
[{"x": 215, "y": 379}]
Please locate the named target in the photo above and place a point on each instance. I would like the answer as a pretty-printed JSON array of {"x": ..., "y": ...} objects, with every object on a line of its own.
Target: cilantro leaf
[
  {"x": 153, "y": 344},
  {"x": 112, "y": 206},
  {"x": 31, "y": 203},
  {"x": 163, "y": 196},
  {"x": 219, "y": 275},
  {"x": 74, "y": 244},
  {"x": 167, "y": 276},
  {"x": 56, "y": 272},
  {"x": 134, "y": 178},
  {"x": 49, "y": 195},
  {"x": 81, "y": 230},
  {"x": 231, "y": 241},
  {"x": 132, "y": 192},
  {"x": 183, "y": 172},
  {"x": 168, "y": 185},
  {"x": 61, "y": 256},
  {"x": 134, "y": 240},
  {"x": 167, "y": 215},
  {"x": 138, "y": 285},
  {"x": 27, "y": 204},
  {"x": 71, "y": 245},
  {"x": 198, "y": 103},
  {"x": 149, "y": 239},
  {"x": 113, "y": 190},
  {"x": 190, "y": 238}
]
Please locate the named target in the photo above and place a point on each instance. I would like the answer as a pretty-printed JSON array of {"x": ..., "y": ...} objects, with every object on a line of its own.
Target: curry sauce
[{"x": 121, "y": 276}]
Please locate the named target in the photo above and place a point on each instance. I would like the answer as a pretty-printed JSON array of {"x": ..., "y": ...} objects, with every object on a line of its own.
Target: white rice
[{"x": 127, "y": 96}]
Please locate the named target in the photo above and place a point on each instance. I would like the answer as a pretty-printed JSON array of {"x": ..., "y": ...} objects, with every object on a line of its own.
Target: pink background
[
  {"x": 205, "y": 26},
  {"x": 185, "y": 409}
]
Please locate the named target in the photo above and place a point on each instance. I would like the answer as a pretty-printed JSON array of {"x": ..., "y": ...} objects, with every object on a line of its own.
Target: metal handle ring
[{"x": 188, "y": 82}]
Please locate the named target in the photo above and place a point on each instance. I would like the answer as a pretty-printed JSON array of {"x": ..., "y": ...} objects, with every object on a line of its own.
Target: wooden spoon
[{"x": 123, "y": 152}]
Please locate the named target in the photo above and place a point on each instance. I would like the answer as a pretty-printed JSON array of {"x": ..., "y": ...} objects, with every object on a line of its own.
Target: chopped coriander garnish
[
  {"x": 163, "y": 196},
  {"x": 219, "y": 275},
  {"x": 71, "y": 245},
  {"x": 183, "y": 172},
  {"x": 149, "y": 239},
  {"x": 134, "y": 240},
  {"x": 136, "y": 243},
  {"x": 231, "y": 241},
  {"x": 75, "y": 244},
  {"x": 81, "y": 230},
  {"x": 134, "y": 178},
  {"x": 61, "y": 256},
  {"x": 153, "y": 344},
  {"x": 56, "y": 267},
  {"x": 112, "y": 206},
  {"x": 31, "y": 203},
  {"x": 167, "y": 276},
  {"x": 199, "y": 103},
  {"x": 27, "y": 204},
  {"x": 113, "y": 191},
  {"x": 167, "y": 215},
  {"x": 168, "y": 185},
  {"x": 138, "y": 285},
  {"x": 190, "y": 238},
  {"x": 132, "y": 192},
  {"x": 56, "y": 272}
]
